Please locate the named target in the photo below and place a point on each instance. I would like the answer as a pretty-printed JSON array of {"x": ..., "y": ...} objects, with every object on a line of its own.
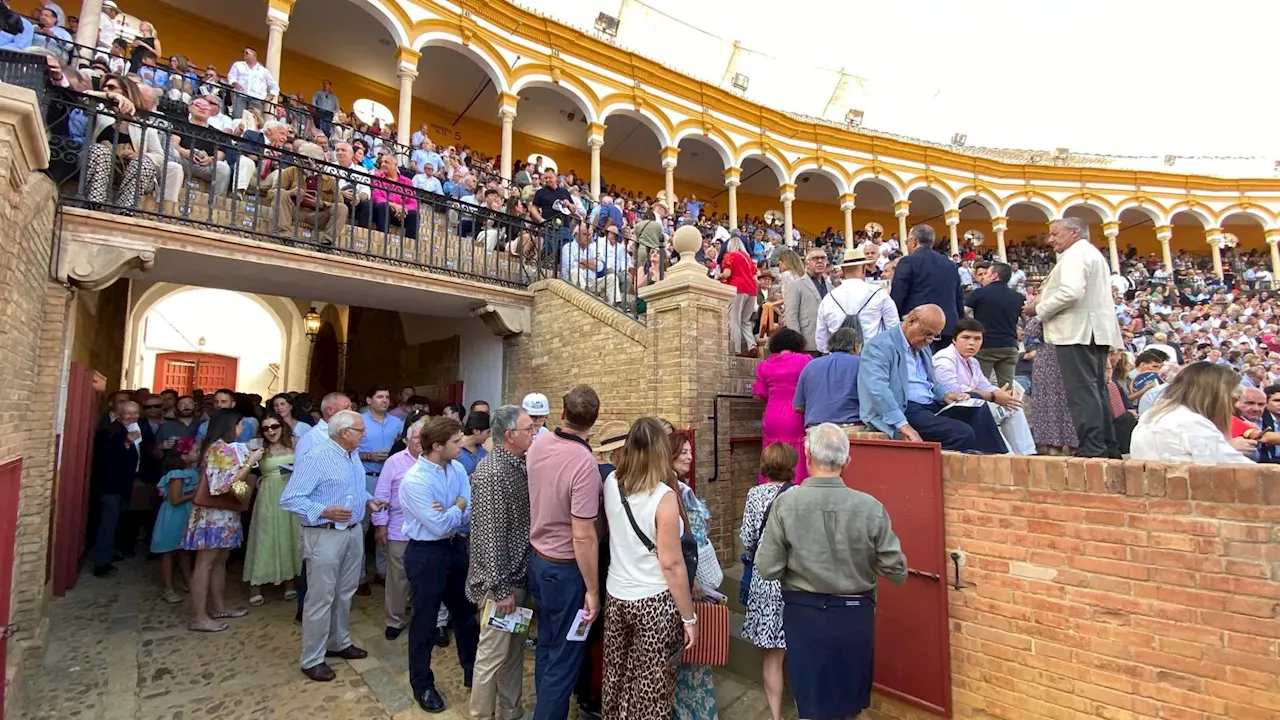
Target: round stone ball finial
[{"x": 687, "y": 241}]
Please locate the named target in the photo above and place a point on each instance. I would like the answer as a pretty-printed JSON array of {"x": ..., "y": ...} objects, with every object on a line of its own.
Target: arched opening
[
  {"x": 929, "y": 207},
  {"x": 700, "y": 173},
  {"x": 550, "y": 119},
  {"x": 325, "y": 32},
  {"x": 817, "y": 206},
  {"x": 758, "y": 193},
  {"x": 631, "y": 156},
  {"x": 1250, "y": 250},
  {"x": 874, "y": 204},
  {"x": 975, "y": 229},
  {"x": 1137, "y": 237},
  {"x": 459, "y": 95},
  {"x": 325, "y": 370}
]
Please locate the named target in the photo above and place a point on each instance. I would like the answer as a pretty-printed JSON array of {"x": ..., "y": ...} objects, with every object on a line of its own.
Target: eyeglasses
[
  {"x": 152, "y": 407},
  {"x": 269, "y": 428},
  {"x": 526, "y": 428}
]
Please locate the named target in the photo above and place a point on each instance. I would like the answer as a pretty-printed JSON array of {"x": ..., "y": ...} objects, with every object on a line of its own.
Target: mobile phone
[{"x": 675, "y": 657}]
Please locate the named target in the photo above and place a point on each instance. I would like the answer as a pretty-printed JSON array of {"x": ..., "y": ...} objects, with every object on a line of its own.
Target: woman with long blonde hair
[
  {"x": 1191, "y": 421},
  {"x": 649, "y": 616}
]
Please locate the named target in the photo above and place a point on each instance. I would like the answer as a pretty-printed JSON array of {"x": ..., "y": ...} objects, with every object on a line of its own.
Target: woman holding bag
[
  {"x": 213, "y": 528},
  {"x": 695, "y": 697}
]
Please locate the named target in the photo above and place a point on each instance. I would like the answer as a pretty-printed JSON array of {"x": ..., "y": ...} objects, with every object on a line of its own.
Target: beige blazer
[
  {"x": 800, "y": 302},
  {"x": 1075, "y": 301}
]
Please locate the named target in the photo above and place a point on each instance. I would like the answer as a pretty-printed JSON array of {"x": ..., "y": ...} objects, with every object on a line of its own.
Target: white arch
[
  {"x": 644, "y": 115},
  {"x": 1154, "y": 214},
  {"x": 1104, "y": 214},
  {"x": 770, "y": 162},
  {"x": 993, "y": 210},
  {"x": 1048, "y": 211},
  {"x": 1262, "y": 220},
  {"x": 288, "y": 319},
  {"x": 1205, "y": 221},
  {"x": 388, "y": 19},
  {"x": 716, "y": 144},
  {"x": 841, "y": 187},
  {"x": 922, "y": 184},
  {"x": 545, "y": 82},
  {"x": 494, "y": 68},
  {"x": 868, "y": 176}
]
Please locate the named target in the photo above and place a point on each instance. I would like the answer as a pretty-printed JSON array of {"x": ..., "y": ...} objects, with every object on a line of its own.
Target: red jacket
[{"x": 742, "y": 273}]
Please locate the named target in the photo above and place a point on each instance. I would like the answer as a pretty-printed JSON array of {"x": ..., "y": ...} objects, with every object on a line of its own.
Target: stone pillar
[
  {"x": 668, "y": 156},
  {"x": 1110, "y": 230},
  {"x": 846, "y": 206},
  {"x": 900, "y": 210},
  {"x": 275, "y": 43},
  {"x": 87, "y": 34},
  {"x": 507, "y": 114},
  {"x": 1164, "y": 234},
  {"x": 1214, "y": 237},
  {"x": 998, "y": 226},
  {"x": 952, "y": 218},
  {"x": 732, "y": 179},
  {"x": 406, "y": 72},
  {"x": 1273, "y": 237},
  {"x": 595, "y": 141},
  {"x": 787, "y": 196}
]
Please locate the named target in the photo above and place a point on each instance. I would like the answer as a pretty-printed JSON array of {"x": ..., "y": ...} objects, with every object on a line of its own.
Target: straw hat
[
  {"x": 609, "y": 437},
  {"x": 853, "y": 257}
]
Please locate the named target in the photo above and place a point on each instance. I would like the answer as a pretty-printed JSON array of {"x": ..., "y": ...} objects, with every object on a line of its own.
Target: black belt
[
  {"x": 331, "y": 526},
  {"x": 451, "y": 541}
]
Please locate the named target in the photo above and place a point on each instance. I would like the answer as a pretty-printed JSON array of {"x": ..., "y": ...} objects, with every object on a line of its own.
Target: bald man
[{"x": 899, "y": 396}]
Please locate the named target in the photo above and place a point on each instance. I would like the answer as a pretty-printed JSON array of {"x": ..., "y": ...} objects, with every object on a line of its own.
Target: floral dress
[
  {"x": 1050, "y": 419},
  {"x": 763, "y": 624},
  {"x": 695, "y": 697},
  {"x": 213, "y": 528}
]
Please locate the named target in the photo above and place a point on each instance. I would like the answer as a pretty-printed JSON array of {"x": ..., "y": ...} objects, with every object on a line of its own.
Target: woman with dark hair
[
  {"x": 776, "y": 380},
  {"x": 249, "y": 417},
  {"x": 695, "y": 697},
  {"x": 117, "y": 154},
  {"x": 212, "y": 532},
  {"x": 283, "y": 408},
  {"x": 273, "y": 552}
]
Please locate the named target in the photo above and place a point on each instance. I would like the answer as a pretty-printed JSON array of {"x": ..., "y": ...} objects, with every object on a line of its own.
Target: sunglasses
[
  {"x": 152, "y": 407},
  {"x": 269, "y": 428}
]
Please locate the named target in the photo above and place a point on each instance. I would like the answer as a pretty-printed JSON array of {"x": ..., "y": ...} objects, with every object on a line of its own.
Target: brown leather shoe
[
  {"x": 350, "y": 652},
  {"x": 320, "y": 673}
]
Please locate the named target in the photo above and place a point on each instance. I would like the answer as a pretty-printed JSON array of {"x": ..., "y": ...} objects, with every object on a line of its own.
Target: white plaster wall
[
  {"x": 480, "y": 352},
  {"x": 231, "y": 324}
]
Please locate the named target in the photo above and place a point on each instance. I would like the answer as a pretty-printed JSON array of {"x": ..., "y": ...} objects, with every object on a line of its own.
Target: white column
[
  {"x": 669, "y": 168},
  {"x": 787, "y": 196},
  {"x": 1110, "y": 230},
  {"x": 847, "y": 204},
  {"x": 900, "y": 210},
  {"x": 999, "y": 225},
  {"x": 90, "y": 14},
  {"x": 595, "y": 141},
  {"x": 507, "y": 114},
  {"x": 1164, "y": 234},
  {"x": 1214, "y": 237},
  {"x": 406, "y": 73},
  {"x": 952, "y": 218},
  {"x": 277, "y": 23},
  {"x": 732, "y": 179}
]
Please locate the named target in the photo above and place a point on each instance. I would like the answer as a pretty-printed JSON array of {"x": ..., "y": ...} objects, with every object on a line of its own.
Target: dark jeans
[
  {"x": 959, "y": 429},
  {"x": 437, "y": 572},
  {"x": 111, "y": 507},
  {"x": 1084, "y": 380},
  {"x": 324, "y": 120},
  {"x": 382, "y": 219},
  {"x": 559, "y": 592},
  {"x": 362, "y": 214}
]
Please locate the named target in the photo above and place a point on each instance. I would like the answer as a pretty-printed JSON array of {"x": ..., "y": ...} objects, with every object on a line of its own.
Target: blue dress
[{"x": 171, "y": 522}]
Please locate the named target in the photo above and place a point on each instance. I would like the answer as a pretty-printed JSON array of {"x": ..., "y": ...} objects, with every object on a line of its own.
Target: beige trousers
[
  {"x": 397, "y": 595},
  {"x": 497, "y": 681}
]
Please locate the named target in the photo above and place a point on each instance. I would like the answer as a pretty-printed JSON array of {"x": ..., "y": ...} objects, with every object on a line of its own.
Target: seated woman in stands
[
  {"x": 117, "y": 154},
  {"x": 1191, "y": 421}
]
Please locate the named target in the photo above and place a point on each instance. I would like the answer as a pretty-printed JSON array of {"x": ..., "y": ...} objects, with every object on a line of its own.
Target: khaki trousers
[
  {"x": 333, "y": 558},
  {"x": 397, "y": 595},
  {"x": 497, "y": 681}
]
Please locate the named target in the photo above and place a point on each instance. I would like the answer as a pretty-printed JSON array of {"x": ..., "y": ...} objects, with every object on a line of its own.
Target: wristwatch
[{"x": 690, "y": 622}]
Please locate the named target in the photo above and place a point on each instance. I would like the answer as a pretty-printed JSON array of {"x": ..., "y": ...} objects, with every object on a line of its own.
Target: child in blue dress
[{"x": 177, "y": 487}]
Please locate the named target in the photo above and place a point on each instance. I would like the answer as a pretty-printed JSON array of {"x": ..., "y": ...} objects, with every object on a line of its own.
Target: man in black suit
[
  {"x": 926, "y": 277},
  {"x": 116, "y": 460}
]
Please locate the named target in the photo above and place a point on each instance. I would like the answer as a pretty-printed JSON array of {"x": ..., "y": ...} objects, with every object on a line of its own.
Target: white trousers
[{"x": 1014, "y": 429}]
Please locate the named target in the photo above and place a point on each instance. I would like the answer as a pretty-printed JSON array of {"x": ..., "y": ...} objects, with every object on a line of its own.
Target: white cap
[{"x": 536, "y": 404}]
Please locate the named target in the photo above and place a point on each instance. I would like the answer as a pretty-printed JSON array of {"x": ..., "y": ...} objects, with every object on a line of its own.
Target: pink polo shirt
[{"x": 564, "y": 483}]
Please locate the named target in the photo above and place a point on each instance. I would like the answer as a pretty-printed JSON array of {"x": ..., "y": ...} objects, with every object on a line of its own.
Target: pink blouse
[
  {"x": 393, "y": 471},
  {"x": 384, "y": 192}
]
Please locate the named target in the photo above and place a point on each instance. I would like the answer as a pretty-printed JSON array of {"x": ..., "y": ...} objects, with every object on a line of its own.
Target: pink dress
[{"x": 776, "y": 380}]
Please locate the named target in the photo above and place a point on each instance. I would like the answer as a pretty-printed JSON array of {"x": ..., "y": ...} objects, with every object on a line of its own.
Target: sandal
[
  {"x": 171, "y": 597},
  {"x": 290, "y": 594},
  {"x": 214, "y": 628},
  {"x": 257, "y": 600},
  {"x": 232, "y": 614}
]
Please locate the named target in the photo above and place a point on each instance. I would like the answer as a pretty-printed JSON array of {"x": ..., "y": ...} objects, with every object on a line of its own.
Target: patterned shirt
[{"x": 499, "y": 527}]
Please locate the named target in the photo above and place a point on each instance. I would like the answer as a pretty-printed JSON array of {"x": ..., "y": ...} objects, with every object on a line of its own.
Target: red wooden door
[
  {"x": 913, "y": 645},
  {"x": 10, "y": 482},
  {"x": 185, "y": 372},
  {"x": 71, "y": 495}
]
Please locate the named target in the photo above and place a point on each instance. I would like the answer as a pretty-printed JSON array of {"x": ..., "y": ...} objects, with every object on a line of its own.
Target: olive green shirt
[{"x": 824, "y": 537}]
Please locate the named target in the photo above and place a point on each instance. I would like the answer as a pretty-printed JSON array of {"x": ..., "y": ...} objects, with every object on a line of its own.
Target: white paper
[
  {"x": 580, "y": 627},
  {"x": 972, "y": 402},
  {"x": 516, "y": 621}
]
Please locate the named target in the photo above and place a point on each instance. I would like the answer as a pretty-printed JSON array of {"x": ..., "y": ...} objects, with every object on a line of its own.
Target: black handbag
[
  {"x": 749, "y": 557},
  {"x": 688, "y": 544}
]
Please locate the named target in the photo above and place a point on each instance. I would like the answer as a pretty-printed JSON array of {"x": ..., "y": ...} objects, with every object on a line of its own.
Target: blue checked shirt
[{"x": 326, "y": 476}]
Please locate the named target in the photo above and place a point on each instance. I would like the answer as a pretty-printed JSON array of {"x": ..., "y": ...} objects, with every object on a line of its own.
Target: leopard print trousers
[{"x": 639, "y": 638}]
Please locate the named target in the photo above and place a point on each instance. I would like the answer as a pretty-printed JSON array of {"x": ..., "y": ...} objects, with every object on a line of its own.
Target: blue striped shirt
[
  {"x": 427, "y": 482},
  {"x": 327, "y": 476}
]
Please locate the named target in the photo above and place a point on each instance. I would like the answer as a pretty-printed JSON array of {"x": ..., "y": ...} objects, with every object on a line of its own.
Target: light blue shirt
[
  {"x": 428, "y": 183},
  {"x": 327, "y": 476},
  {"x": 19, "y": 42},
  {"x": 318, "y": 432},
  {"x": 919, "y": 389},
  {"x": 248, "y": 430},
  {"x": 58, "y": 41},
  {"x": 425, "y": 483},
  {"x": 379, "y": 436}
]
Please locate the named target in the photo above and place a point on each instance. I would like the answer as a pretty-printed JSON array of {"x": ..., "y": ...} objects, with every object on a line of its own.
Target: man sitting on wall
[
  {"x": 957, "y": 369},
  {"x": 899, "y": 395}
]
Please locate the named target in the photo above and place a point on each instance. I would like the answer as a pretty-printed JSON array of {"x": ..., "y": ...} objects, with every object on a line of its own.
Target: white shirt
[
  {"x": 615, "y": 258},
  {"x": 850, "y": 296},
  {"x": 108, "y": 30},
  {"x": 1182, "y": 435},
  {"x": 634, "y": 570},
  {"x": 257, "y": 81},
  {"x": 570, "y": 270},
  {"x": 359, "y": 190}
]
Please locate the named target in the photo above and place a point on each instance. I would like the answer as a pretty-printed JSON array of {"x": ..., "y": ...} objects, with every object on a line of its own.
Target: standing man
[
  {"x": 499, "y": 569},
  {"x": 253, "y": 82},
  {"x": 997, "y": 306},
  {"x": 382, "y": 429},
  {"x": 330, "y": 405},
  {"x": 801, "y": 299},
  {"x": 117, "y": 454},
  {"x": 327, "y": 493},
  {"x": 927, "y": 277},
  {"x": 1079, "y": 319},
  {"x": 402, "y": 408},
  {"x": 855, "y": 297},
  {"x": 435, "y": 496},
  {"x": 564, "y": 509},
  {"x": 828, "y": 572},
  {"x": 326, "y": 104}
]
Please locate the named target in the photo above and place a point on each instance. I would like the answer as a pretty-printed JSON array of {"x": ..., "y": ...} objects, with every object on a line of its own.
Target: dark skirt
[{"x": 830, "y": 652}]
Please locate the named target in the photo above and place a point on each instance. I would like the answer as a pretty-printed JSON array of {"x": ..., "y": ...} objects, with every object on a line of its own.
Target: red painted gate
[
  {"x": 71, "y": 495},
  {"x": 10, "y": 482},
  {"x": 913, "y": 647}
]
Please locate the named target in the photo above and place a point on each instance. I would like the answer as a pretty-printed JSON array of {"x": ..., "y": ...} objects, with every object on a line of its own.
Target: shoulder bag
[
  {"x": 688, "y": 546},
  {"x": 225, "y": 501},
  {"x": 749, "y": 557}
]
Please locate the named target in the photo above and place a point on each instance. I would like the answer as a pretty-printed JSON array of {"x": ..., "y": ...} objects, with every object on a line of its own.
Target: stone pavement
[{"x": 118, "y": 652}]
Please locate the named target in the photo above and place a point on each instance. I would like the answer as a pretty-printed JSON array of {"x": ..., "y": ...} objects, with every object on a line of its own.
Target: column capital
[
  {"x": 1272, "y": 235},
  {"x": 1164, "y": 233},
  {"x": 407, "y": 57},
  {"x": 507, "y": 104},
  {"x": 276, "y": 22},
  {"x": 668, "y": 155},
  {"x": 999, "y": 224},
  {"x": 787, "y": 192},
  {"x": 732, "y": 176},
  {"x": 952, "y": 217},
  {"x": 848, "y": 200},
  {"x": 279, "y": 8},
  {"x": 1213, "y": 236},
  {"x": 902, "y": 208},
  {"x": 406, "y": 73},
  {"x": 1111, "y": 229},
  {"x": 595, "y": 131}
]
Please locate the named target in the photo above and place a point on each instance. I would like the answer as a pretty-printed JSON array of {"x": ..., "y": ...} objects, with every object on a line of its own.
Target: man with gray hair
[
  {"x": 828, "y": 570},
  {"x": 827, "y": 391},
  {"x": 1079, "y": 318},
  {"x": 927, "y": 277},
  {"x": 260, "y": 173}
]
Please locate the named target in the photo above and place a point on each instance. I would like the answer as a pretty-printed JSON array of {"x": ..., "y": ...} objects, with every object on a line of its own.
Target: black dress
[{"x": 141, "y": 53}]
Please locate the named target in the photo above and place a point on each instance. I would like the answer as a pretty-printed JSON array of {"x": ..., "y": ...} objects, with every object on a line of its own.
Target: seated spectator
[
  {"x": 581, "y": 266},
  {"x": 1146, "y": 373},
  {"x": 1123, "y": 417},
  {"x": 50, "y": 35},
  {"x": 309, "y": 197},
  {"x": 119, "y": 140},
  {"x": 827, "y": 391},
  {"x": 261, "y": 173},
  {"x": 899, "y": 395},
  {"x": 958, "y": 369},
  {"x": 200, "y": 156},
  {"x": 1191, "y": 421},
  {"x": 394, "y": 201},
  {"x": 1253, "y": 421}
]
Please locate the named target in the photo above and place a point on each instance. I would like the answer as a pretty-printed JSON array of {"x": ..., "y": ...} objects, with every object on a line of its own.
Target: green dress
[{"x": 273, "y": 554}]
